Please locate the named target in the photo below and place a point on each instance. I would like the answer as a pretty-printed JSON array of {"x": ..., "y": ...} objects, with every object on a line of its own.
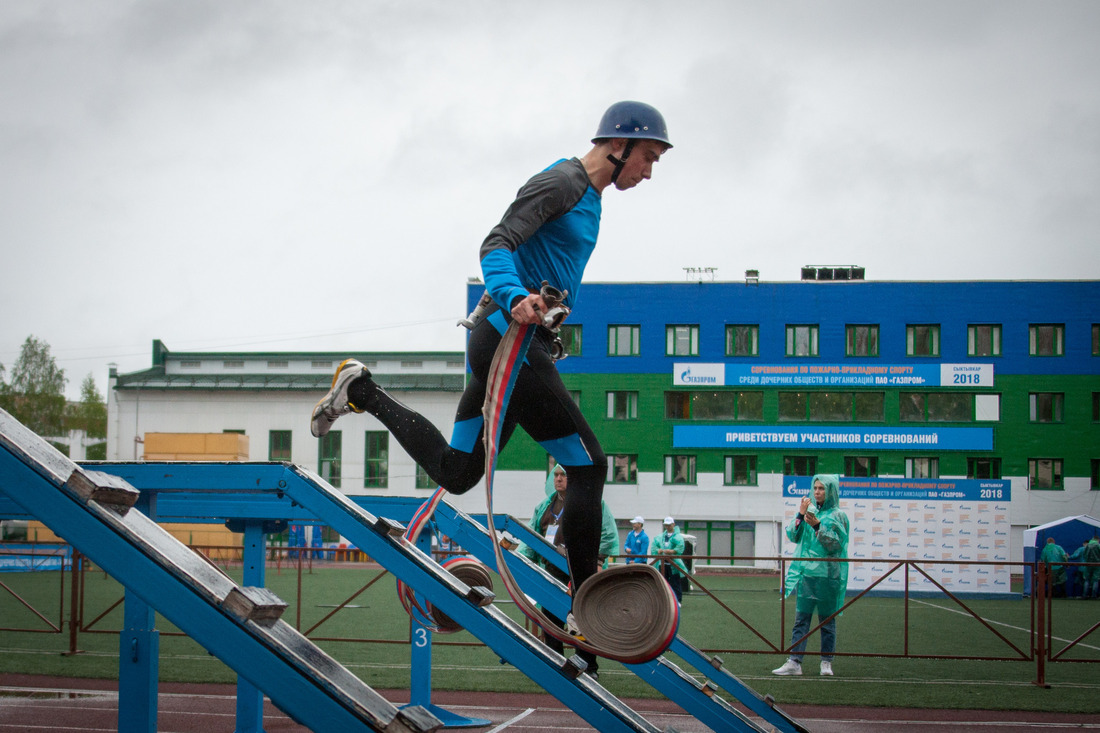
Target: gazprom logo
[
  {"x": 688, "y": 378},
  {"x": 694, "y": 375}
]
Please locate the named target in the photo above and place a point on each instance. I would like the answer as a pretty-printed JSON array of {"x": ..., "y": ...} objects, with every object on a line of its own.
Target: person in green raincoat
[
  {"x": 670, "y": 543},
  {"x": 546, "y": 521},
  {"x": 1053, "y": 555},
  {"x": 1092, "y": 572},
  {"x": 820, "y": 529}
]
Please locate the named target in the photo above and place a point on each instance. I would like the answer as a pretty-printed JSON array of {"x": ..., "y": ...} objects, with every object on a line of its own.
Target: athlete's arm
[{"x": 546, "y": 196}]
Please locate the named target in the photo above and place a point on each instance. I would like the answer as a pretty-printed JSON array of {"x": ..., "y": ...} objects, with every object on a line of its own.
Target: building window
[
  {"x": 328, "y": 457},
  {"x": 233, "y": 363},
  {"x": 679, "y": 469},
  {"x": 622, "y": 405},
  {"x": 1096, "y": 339},
  {"x": 423, "y": 480},
  {"x": 316, "y": 364},
  {"x": 575, "y": 395},
  {"x": 377, "y": 458},
  {"x": 987, "y": 407},
  {"x": 922, "y": 468},
  {"x": 799, "y": 465},
  {"x": 922, "y": 340},
  {"x": 743, "y": 340},
  {"x": 681, "y": 340},
  {"x": 456, "y": 365},
  {"x": 830, "y": 406},
  {"x": 869, "y": 406},
  {"x": 740, "y": 471},
  {"x": 622, "y": 469},
  {"x": 714, "y": 405},
  {"x": 983, "y": 467},
  {"x": 983, "y": 340},
  {"x": 719, "y": 405},
  {"x": 860, "y": 466},
  {"x": 936, "y": 407},
  {"x": 278, "y": 445},
  {"x": 1045, "y": 406},
  {"x": 792, "y": 405},
  {"x": 571, "y": 339},
  {"x": 950, "y": 407},
  {"x": 1045, "y": 473},
  {"x": 278, "y": 364},
  {"x": 802, "y": 340},
  {"x": 624, "y": 340},
  {"x": 678, "y": 405},
  {"x": 190, "y": 364},
  {"x": 750, "y": 406},
  {"x": 1046, "y": 339},
  {"x": 1095, "y": 485},
  {"x": 861, "y": 340}
]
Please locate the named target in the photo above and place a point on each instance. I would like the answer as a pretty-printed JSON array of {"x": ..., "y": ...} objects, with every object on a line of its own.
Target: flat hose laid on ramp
[{"x": 626, "y": 613}]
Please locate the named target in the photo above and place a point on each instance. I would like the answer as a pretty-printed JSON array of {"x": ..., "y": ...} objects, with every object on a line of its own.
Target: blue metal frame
[
  {"x": 273, "y": 491},
  {"x": 698, "y": 699}
]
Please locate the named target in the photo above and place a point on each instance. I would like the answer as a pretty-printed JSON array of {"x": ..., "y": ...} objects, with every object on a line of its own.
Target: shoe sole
[{"x": 317, "y": 409}]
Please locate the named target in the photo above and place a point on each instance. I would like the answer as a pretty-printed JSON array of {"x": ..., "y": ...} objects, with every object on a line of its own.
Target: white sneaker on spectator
[
  {"x": 826, "y": 669},
  {"x": 789, "y": 668}
]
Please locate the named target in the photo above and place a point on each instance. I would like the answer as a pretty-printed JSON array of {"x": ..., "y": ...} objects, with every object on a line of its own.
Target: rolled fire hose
[{"x": 627, "y": 613}]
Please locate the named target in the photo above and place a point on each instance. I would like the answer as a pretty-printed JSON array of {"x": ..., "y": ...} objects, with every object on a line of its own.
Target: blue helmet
[{"x": 635, "y": 120}]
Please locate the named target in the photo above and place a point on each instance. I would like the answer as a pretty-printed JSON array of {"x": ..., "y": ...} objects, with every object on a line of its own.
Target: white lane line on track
[
  {"x": 508, "y": 723},
  {"x": 998, "y": 623},
  {"x": 1038, "y": 725}
]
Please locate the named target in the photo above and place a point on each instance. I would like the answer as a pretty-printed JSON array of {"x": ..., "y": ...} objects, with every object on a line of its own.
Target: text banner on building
[
  {"x": 832, "y": 375},
  {"x": 831, "y": 438},
  {"x": 960, "y": 527}
]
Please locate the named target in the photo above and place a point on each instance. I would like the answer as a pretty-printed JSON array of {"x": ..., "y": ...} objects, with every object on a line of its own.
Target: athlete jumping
[{"x": 547, "y": 234}]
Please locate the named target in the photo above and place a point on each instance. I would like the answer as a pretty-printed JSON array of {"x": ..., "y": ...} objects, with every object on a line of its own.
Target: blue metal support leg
[
  {"x": 420, "y": 680},
  {"x": 138, "y": 654},
  {"x": 250, "y": 700}
]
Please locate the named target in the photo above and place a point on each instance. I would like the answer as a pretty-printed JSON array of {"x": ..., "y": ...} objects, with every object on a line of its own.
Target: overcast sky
[{"x": 293, "y": 176}]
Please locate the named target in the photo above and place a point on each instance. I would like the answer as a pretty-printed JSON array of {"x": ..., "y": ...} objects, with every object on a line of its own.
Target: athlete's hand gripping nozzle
[{"x": 555, "y": 310}]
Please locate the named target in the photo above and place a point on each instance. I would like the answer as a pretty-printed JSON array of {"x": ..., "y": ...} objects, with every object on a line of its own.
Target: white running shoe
[
  {"x": 826, "y": 669},
  {"x": 335, "y": 402},
  {"x": 790, "y": 668}
]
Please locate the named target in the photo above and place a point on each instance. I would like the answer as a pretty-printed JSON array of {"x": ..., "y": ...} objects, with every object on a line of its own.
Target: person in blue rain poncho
[
  {"x": 546, "y": 521},
  {"x": 637, "y": 541},
  {"x": 819, "y": 530}
]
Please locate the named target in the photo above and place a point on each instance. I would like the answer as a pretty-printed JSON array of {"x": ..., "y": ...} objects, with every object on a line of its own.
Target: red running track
[{"x": 33, "y": 704}]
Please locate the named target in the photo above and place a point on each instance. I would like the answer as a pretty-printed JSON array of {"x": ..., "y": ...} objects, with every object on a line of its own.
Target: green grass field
[{"x": 873, "y": 626}]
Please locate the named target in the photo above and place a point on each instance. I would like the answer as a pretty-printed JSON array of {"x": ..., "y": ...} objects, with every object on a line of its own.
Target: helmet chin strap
[{"x": 620, "y": 162}]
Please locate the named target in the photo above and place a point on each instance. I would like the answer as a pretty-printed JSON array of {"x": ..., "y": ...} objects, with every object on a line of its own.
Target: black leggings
[{"x": 540, "y": 404}]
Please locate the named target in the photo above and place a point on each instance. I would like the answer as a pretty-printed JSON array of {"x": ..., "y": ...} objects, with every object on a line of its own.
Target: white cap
[
  {"x": 670, "y": 520},
  {"x": 637, "y": 520}
]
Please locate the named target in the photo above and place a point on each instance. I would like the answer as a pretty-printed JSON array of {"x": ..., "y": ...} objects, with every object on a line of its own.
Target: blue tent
[{"x": 1069, "y": 532}]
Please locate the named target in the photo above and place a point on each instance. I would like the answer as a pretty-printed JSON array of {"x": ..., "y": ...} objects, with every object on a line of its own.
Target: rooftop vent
[{"x": 832, "y": 272}]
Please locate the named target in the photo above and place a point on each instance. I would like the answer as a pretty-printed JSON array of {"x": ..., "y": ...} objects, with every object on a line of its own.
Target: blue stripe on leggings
[
  {"x": 465, "y": 434},
  {"x": 568, "y": 451}
]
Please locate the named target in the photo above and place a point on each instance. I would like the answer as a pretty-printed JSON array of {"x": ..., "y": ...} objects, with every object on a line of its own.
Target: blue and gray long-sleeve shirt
[{"x": 548, "y": 233}]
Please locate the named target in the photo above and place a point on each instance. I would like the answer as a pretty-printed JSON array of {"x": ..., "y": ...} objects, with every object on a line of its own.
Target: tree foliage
[
  {"x": 90, "y": 414},
  {"x": 35, "y": 396}
]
